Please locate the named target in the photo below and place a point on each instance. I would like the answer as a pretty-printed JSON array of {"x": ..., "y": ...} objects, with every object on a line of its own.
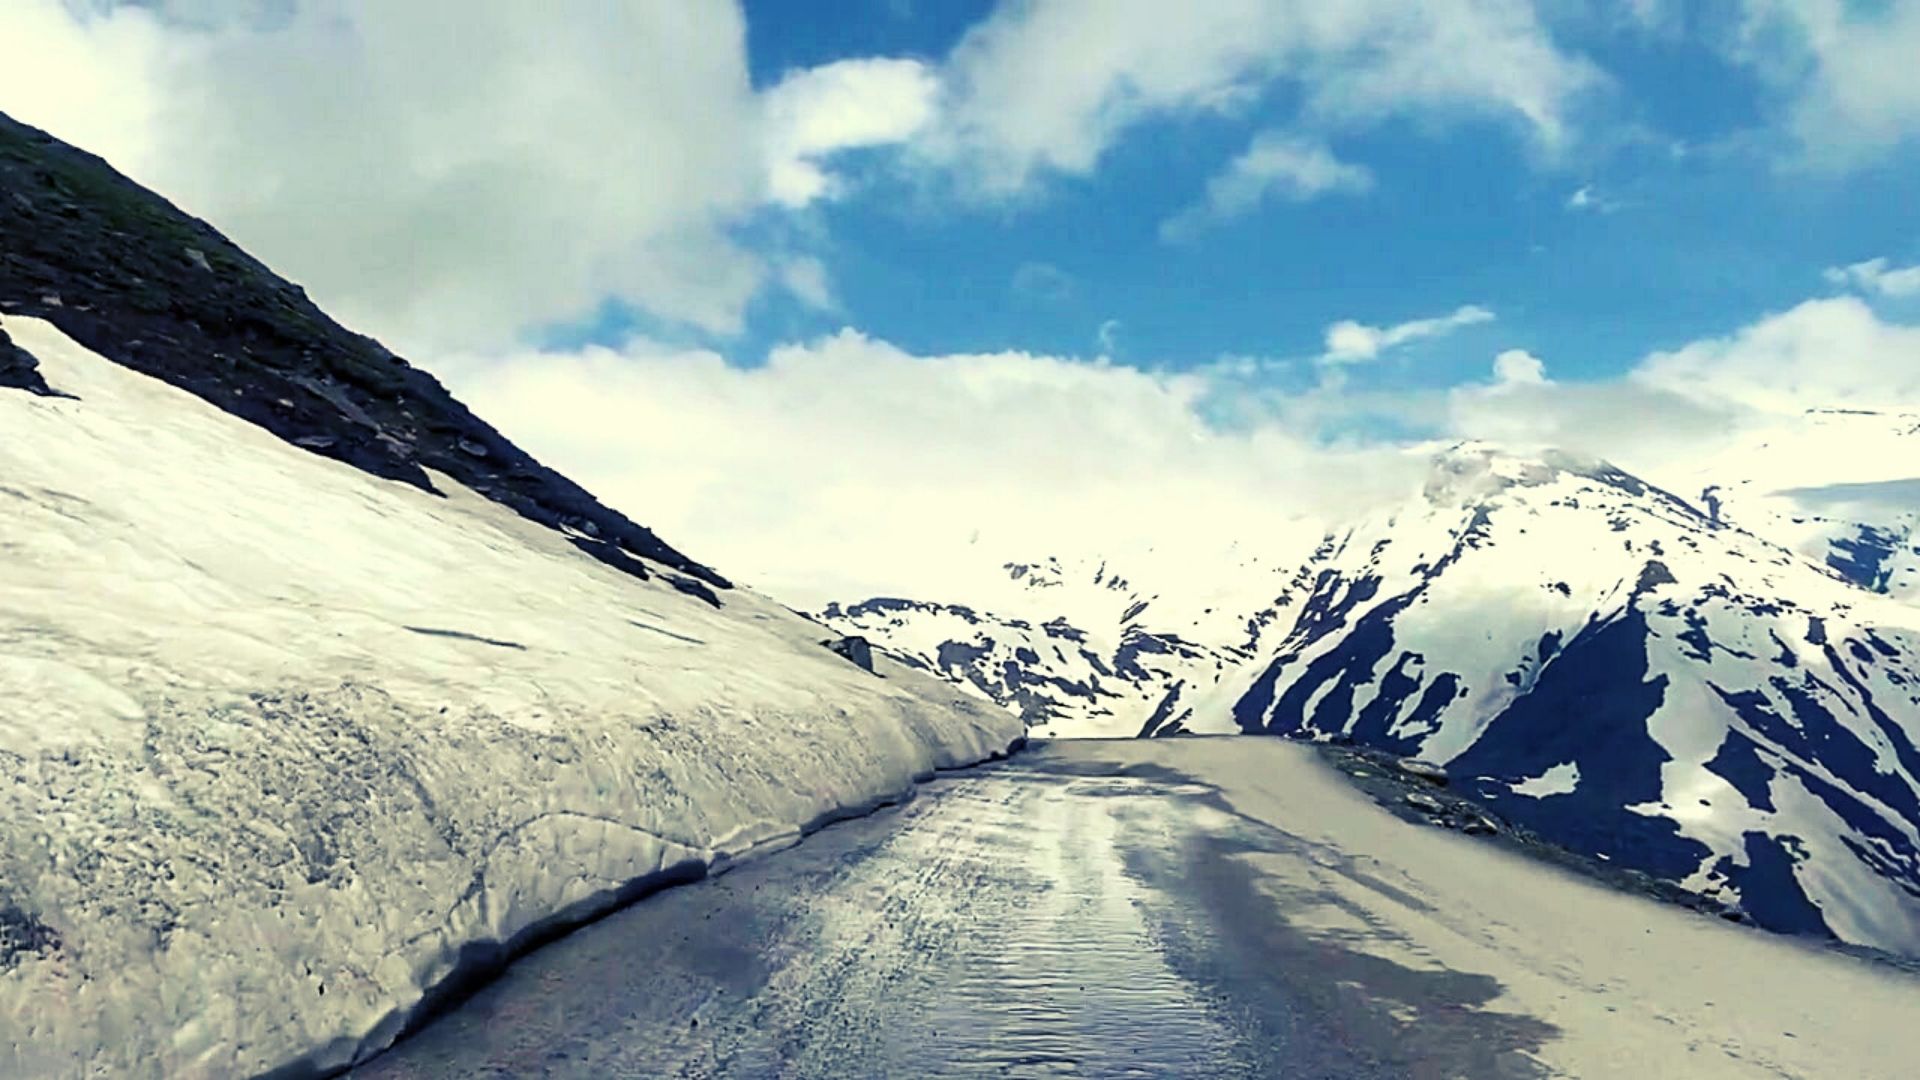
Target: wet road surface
[{"x": 1042, "y": 917}]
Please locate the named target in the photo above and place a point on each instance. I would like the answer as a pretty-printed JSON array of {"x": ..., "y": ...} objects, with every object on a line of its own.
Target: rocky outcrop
[
  {"x": 20, "y": 371},
  {"x": 854, "y": 649},
  {"x": 125, "y": 273}
]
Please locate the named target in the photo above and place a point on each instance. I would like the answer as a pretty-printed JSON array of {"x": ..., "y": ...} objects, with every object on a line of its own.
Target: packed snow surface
[{"x": 285, "y": 744}]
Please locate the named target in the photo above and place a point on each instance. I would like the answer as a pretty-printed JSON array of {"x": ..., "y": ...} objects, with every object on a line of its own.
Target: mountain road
[{"x": 1190, "y": 907}]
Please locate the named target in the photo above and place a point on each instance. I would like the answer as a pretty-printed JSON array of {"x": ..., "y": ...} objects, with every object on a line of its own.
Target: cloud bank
[
  {"x": 452, "y": 177},
  {"x": 1844, "y": 70},
  {"x": 881, "y": 471},
  {"x": 878, "y": 470},
  {"x": 1877, "y": 276},
  {"x": 845, "y": 105},
  {"x": 1018, "y": 109}
]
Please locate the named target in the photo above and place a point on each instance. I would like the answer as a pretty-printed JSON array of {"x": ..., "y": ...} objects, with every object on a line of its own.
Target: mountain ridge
[{"x": 126, "y": 273}]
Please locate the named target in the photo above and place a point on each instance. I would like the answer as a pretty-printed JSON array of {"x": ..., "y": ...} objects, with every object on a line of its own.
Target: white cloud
[
  {"x": 1641, "y": 427},
  {"x": 1108, "y": 336},
  {"x": 1042, "y": 282},
  {"x": 848, "y": 456},
  {"x": 1585, "y": 198},
  {"x": 1674, "y": 411},
  {"x": 436, "y": 176},
  {"x": 848, "y": 467},
  {"x": 1350, "y": 342},
  {"x": 1518, "y": 367},
  {"x": 1046, "y": 86},
  {"x": 84, "y": 79},
  {"x": 1847, "y": 70},
  {"x": 450, "y": 182},
  {"x": 1655, "y": 16},
  {"x": 848, "y": 104},
  {"x": 1876, "y": 276},
  {"x": 453, "y": 179},
  {"x": 1276, "y": 165},
  {"x": 1833, "y": 352},
  {"x": 805, "y": 279}
]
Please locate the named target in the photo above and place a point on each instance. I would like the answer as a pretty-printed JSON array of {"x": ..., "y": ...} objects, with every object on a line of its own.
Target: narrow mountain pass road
[{"x": 1177, "y": 908}]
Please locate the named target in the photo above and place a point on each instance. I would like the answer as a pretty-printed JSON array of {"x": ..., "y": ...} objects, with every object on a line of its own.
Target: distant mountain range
[{"x": 1720, "y": 688}]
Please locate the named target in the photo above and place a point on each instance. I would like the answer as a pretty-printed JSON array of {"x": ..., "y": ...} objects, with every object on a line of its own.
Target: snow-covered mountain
[
  {"x": 1091, "y": 654},
  {"x": 317, "y": 695},
  {"x": 1627, "y": 672},
  {"x": 1839, "y": 486}
]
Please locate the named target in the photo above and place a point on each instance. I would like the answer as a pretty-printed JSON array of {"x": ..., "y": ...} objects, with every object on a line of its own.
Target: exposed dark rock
[
  {"x": 1378, "y": 775},
  {"x": 1424, "y": 770},
  {"x": 1162, "y": 721},
  {"x": 665, "y": 632},
  {"x": 1739, "y": 762},
  {"x": 1602, "y": 678},
  {"x": 857, "y": 650},
  {"x": 1773, "y": 897},
  {"x": 1060, "y": 628},
  {"x": 1652, "y": 576},
  {"x": 22, "y": 933},
  {"x": 1135, "y": 643},
  {"x": 1863, "y": 557},
  {"x": 126, "y": 274},
  {"x": 689, "y": 587},
  {"x": 890, "y": 605},
  {"x": 1045, "y": 671},
  {"x": 1423, "y": 802},
  {"x": 19, "y": 370}
]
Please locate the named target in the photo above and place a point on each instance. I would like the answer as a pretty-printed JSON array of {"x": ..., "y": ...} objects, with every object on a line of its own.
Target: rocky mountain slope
[
  {"x": 126, "y": 274},
  {"x": 1628, "y": 673},
  {"x": 317, "y": 696}
]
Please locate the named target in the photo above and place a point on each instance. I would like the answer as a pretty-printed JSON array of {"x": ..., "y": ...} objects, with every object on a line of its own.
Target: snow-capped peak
[{"x": 1632, "y": 673}]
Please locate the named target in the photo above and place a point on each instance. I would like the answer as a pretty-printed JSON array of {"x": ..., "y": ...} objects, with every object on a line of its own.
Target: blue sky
[
  {"x": 999, "y": 174},
  {"x": 1703, "y": 215}
]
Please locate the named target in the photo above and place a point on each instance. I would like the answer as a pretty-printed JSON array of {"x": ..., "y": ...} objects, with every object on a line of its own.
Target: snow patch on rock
[{"x": 1562, "y": 779}]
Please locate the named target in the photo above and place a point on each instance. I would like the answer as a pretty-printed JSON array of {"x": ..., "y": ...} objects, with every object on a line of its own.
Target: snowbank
[{"x": 286, "y": 746}]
